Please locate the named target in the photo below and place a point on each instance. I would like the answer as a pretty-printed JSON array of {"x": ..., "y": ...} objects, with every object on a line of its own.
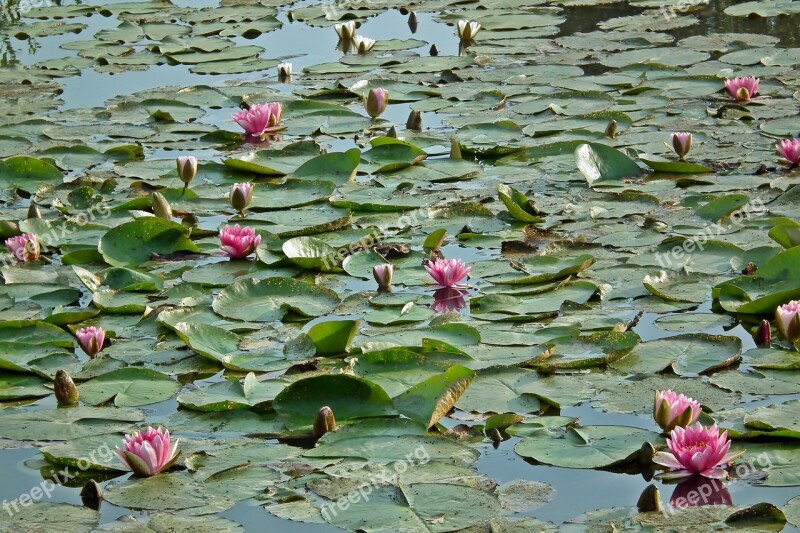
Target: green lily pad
[
  {"x": 270, "y": 299},
  {"x": 349, "y": 398},
  {"x": 129, "y": 387}
]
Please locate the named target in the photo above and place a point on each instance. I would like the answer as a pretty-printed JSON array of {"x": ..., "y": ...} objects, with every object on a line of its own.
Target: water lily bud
[
  {"x": 673, "y": 410},
  {"x": 161, "y": 206},
  {"x": 383, "y": 275},
  {"x": 742, "y": 95},
  {"x": 788, "y": 319},
  {"x": 65, "y": 389},
  {"x": 763, "y": 336},
  {"x": 33, "y": 211},
  {"x": 187, "y": 169},
  {"x": 392, "y": 132},
  {"x": 649, "y": 500},
  {"x": 455, "y": 149},
  {"x": 376, "y": 103},
  {"x": 241, "y": 195},
  {"x": 92, "y": 495},
  {"x": 681, "y": 143},
  {"x": 91, "y": 340},
  {"x": 434, "y": 51},
  {"x": 284, "y": 71},
  {"x": 611, "y": 129},
  {"x": 414, "y": 121},
  {"x": 324, "y": 422}
]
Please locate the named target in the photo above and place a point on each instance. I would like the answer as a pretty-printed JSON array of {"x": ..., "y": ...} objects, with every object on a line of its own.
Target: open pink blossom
[
  {"x": 25, "y": 248},
  {"x": 789, "y": 149},
  {"x": 148, "y": 452},
  {"x": 449, "y": 299},
  {"x": 447, "y": 272},
  {"x": 260, "y": 118},
  {"x": 742, "y": 89},
  {"x": 91, "y": 340},
  {"x": 788, "y": 318},
  {"x": 697, "y": 450},
  {"x": 238, "y": 242},
  {"x": 672, "y": 409}
]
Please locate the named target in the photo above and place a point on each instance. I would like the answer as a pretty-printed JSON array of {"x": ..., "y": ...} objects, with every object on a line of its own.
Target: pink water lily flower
[
  {"x": 148, "y": 452},
  {"x": 697, "y": 450},
  {"x": 449, "y": 299},
  {"x": 789, "y": 149},
  {"x": 672, "y": 409},
  {"x": 742, "y": 89},
  {"x": 91, "y": 340},
  {"x": 447, "y": 272},
  {"x": 238, "y": 242},
  {"x": 260, "y": 118},
  {"x": 788, "y": 318},
  {"x": 25, "y": 248}
]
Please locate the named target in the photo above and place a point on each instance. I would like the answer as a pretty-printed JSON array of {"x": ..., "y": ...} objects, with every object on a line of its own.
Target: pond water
[{"x": 567, "y": 320}]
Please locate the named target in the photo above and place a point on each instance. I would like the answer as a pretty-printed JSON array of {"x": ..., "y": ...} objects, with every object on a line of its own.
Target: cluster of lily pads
[{"x": 270, "y": 294}]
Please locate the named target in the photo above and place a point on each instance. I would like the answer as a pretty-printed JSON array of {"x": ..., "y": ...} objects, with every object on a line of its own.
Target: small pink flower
[
  {"x": 237, "y": 242},
  {"x": 742, "y": 89},
  {"x": 788, "y": 318},
  {"x": 25, "y": 248},
  {"x": 447, "y": 272},
  {"x": 449, "y": 299},
  {"x": 148, "y": 453},
  {"x": 260, "y": 118},
  {"x": 697, "y": 490},
  {"x": 789, "y": 149},
  {"x": 672, "y": 409},
  {"x": 241, "y": 196},
  {"x": 681, "y": 143},
  {"x": 383, "y": 275},
  {"x": 697, "y": 450},
  {"x": 91, "y": 340}
]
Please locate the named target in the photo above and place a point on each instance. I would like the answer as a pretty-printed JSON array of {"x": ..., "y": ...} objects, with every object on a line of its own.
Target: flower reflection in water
[
  {"x": 449, "y": 299},
  {"x": 698, "y": 490}
]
